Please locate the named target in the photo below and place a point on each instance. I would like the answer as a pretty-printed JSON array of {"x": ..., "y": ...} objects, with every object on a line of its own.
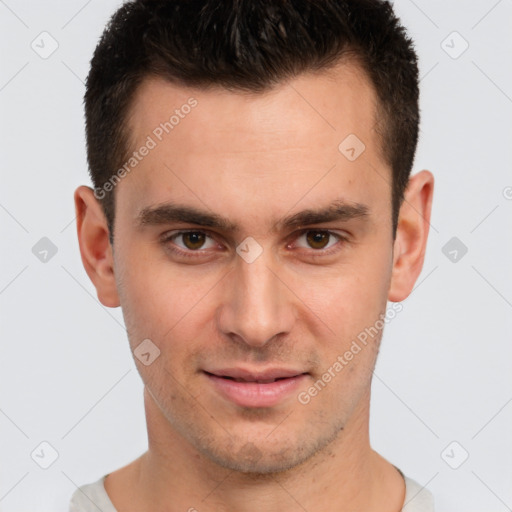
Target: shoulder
[
  {"x": 417, "y": 497},
  {"x": 91, "y": 497}
]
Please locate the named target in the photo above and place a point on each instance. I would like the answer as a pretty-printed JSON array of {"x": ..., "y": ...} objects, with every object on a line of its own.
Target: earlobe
[
  {"x": 412, "y": 234},
  {"x": 95, "y": 247}
]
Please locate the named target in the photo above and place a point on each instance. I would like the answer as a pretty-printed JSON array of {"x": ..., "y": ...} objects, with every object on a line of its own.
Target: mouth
[
  {"x": 259, "y": 381},
  {"x": 255, "y": 389}
]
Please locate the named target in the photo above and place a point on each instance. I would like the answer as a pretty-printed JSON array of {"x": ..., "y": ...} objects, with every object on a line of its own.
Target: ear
[
  {"x": 411, "y": 236},
  {"x": 95, "y": 247}
]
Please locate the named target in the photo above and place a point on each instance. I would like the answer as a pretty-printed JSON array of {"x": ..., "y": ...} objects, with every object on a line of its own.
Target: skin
[{"x": 255, "y": 159}]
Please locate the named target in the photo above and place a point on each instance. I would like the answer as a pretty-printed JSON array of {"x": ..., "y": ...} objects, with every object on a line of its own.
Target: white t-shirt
[{"x": 93, "y": 497}]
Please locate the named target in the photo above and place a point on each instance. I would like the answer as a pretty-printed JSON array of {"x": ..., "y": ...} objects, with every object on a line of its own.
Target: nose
[{"x": 257, "y": 305}]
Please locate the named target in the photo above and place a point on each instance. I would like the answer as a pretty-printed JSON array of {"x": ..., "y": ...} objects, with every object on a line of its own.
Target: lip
[{"x": 255, "y": 388}]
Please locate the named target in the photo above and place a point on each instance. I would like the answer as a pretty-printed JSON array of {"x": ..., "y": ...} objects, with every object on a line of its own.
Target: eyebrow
[{"x": 171, "y": 212}]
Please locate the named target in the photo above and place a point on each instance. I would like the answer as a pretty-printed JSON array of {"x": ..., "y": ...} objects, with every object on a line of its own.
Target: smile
[{"x": 250, "y": 389}]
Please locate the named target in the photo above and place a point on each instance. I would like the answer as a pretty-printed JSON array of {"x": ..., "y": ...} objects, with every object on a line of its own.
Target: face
[{"x": 253, "y": 253}]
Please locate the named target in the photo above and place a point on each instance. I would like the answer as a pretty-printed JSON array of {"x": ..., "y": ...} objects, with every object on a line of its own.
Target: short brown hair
[{"x": 248, "y": 45}]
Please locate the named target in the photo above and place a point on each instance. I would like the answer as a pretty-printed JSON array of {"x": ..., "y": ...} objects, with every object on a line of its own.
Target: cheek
[
  {"x": 352, "y": 296},
  {"x": 161, "y": 302}
]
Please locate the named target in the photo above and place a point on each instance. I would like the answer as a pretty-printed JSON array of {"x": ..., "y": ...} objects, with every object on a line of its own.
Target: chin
[
  {"x": 257, "y": 464},
  {"x": 262, "y": 458}
]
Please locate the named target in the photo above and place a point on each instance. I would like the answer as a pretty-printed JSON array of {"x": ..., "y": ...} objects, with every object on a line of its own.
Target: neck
[{"x": 172, "y": 475}]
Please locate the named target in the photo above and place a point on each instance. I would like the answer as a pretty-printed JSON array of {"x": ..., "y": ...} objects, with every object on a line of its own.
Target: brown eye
[
  {"x": 193, "y": 240},
  {"x": 317, "y": 243},
  {"x": 318, "y": 239},
  {"x": 190, "y": 244}
]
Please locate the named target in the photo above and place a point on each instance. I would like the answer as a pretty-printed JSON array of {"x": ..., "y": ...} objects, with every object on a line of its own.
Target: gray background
[{"x": 443, "y": 384}]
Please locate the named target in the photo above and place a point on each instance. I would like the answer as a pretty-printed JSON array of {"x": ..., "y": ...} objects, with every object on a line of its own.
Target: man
[{"x": 252, "y": 214}]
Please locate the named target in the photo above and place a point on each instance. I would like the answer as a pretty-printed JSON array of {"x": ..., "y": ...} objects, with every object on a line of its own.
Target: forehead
[
  {"x": 232, "y": 148},
  {"x": 339, "y": 100}
]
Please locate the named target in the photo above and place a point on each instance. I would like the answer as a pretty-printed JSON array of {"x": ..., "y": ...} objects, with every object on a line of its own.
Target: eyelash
[{"x": 316, "y": 253}]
